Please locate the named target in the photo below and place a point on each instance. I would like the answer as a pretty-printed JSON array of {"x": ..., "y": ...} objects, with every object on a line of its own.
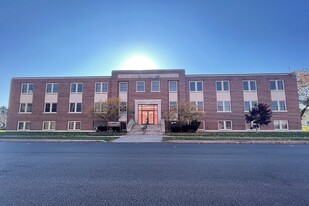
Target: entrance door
[{"x": 148, "y": 112}]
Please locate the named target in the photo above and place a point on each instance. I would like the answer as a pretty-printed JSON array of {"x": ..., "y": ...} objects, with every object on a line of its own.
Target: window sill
[{"x": 24, "y": 112}]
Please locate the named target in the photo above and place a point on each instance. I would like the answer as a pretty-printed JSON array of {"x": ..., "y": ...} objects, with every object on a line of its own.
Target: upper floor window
[
  {"x": 27, "y": 88},
  {"x": 173, "y": 106},
  {"x": 50, "y": 107},
  {"x": 101, "y": 87},
  {"x": 140, "y": 86},
  {"x": 222, "y": 85},
  {"x": 196, "y": 86},
  {"x": 76, "y": 87},
  {"x": 249, "y": 85},
  {"x": 197, "y": 106},
  {"x": 249, "y": 105},
  {"x": 155, "y": 86},
  {"x": 25, "y": 108},
  {"x": 23, "y": 125},
  {"x": 278, "y": 105},
  {"x": 223, "y": 106},
  {"x": 123, "y": 107},
  {"x": 172, "y": 86},
  {"x": 51, "y": 88},
  {"x": 276, "y": 85},
  {"x": 123, "y": 86},
  {"x": 75, "y": 107}
]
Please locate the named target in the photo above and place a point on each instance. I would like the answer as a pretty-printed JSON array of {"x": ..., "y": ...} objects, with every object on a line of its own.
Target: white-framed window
[
  {"x": 223, "y": 106},
  {"x": 76, "y": 87},
  {"x": 49, "y": 125},
  {"x": 123, "y": 107},
  {"x": 278, "y": 105},
  {"x": 23, "y": 125},
  {"x": 197, "y": 106},
  {"x": 50, "y": 107},
  {"x": 27, "y": 88},
  {"x": 172, "y": 85},
  {"x": 155, "y": 86},
  {"x": 172, "y": 106},
  {"x": 249, "y": 105},
  {"x": 224, "y": 125},
  {"x": 276, "y": 85},
  {"x": 52, "y": 88},
  {"x": 75, "y": 107},
  {"x": 140, "y": 86},
  {"x": 281, "y": 125},
  {"x": 100, "y": 106},
  {"x": 196, "y": 86},
  {"x": 222, "y": 85},
  {"x": 249, "y": 85},
  {"x": 74, "y": 125},
  {"x": 123, "y": 86},
  {"x": 101, "y": 87},
  {"x": 25, "y": 108}
]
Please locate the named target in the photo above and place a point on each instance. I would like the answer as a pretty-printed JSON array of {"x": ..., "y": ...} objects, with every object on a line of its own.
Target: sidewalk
[{"x": 139, "y": 138}]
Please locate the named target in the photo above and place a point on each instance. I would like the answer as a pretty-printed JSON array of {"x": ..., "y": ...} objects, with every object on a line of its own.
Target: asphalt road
[{"x": 153, "y": 174}]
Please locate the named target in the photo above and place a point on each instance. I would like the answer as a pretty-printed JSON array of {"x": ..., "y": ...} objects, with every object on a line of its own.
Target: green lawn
[
  {"x": 273, "y": 136},
  {"x": 60, "y": 135}
]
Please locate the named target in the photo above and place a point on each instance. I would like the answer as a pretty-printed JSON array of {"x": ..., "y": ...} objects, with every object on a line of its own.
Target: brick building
[{"x": 60, "y": 103}]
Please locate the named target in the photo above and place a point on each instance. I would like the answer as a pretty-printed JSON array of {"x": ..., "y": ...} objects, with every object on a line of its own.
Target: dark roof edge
[
  {"x": 69, "y": 77},
  {"x": 253, "y": 74}
]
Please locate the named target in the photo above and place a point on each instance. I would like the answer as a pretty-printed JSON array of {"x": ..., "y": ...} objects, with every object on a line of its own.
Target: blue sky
[{"x": 87, "y": 37}]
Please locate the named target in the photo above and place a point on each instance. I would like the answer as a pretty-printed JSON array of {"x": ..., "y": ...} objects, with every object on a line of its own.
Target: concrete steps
[{"x": 151, "y": 130}]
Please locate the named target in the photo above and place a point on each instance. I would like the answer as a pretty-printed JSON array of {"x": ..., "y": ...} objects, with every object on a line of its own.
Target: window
[
  {"x": 249, "y": 85},
  {"x": 223, "y": 106},
  {"x": 140, "y": 86},
  {"x": 73, "y": 125},
  {"x": 23, "y": 125},
  {"x": 196, "y": 86},
  {"x": 278, "y": 105},
  {"x": 75, "y": 107},
  {"x": 51, "y": 88},
  {"x": 248, "y": 105},
  {"x": 173, "y": 106},
  {"x": 155, "y": 86},
  {"x": 276, "y": 85},
  {"x": 25, "y": 108},
  {"x": 49, "y": 125},
  {"x": 27, "y": 88},
  {"x": 76, "y": 88},
  {"x": 123, "y": 107},
  {"x": 172, "y": 86},
  {"x": 101, "y": 87},
  {"x": 123, "y": 86},
  {"x": 225, "y": 125},
  {"x": 50, "y": 107},
  {"x": 100, "y": 107},
  {"x": 197, "y": 106},
  {"x": 281, "y": 125},
  {"x": 222, "y": 86}
]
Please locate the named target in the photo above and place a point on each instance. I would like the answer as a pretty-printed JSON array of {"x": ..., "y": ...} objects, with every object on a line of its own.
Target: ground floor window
[
  {"x": 74, "y": 125},
  {"x": 225, "y": 125},
  {"x": 49, "y": 125},
  {"x": 281, "y": 125},
  {"x": 23, "y": 125}
]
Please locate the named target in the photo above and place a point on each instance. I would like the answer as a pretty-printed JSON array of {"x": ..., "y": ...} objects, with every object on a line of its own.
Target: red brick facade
[{"x": 212, "y": 116}]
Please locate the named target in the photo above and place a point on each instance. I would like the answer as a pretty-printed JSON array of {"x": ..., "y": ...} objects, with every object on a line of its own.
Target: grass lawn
[
  {"x": 273, "y": 136},
  {"x": 61, "y": 135}
]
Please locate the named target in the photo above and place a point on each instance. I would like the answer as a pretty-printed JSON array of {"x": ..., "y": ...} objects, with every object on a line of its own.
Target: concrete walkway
[{"x": 139, "y": 138}]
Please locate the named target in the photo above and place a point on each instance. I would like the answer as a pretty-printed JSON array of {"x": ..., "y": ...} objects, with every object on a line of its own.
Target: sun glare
[{"x": 139, "y": 62}]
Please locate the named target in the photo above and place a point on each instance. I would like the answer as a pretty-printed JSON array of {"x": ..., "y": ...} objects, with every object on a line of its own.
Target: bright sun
[{"x": 139, "y": 62}]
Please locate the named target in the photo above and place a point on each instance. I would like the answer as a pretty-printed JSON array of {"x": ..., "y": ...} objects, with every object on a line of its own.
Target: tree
[
  {"x": 259, "y": 115},
  {"x": 303, "y": 89},
  {"x": 110, "y": 110},
  {"x": 3, "y": 115}
]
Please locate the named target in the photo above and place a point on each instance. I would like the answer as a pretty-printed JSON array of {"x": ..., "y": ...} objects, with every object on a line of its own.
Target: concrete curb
[
  {"x": 51, "y": 140},
  {"x": 235, "y": 142}
]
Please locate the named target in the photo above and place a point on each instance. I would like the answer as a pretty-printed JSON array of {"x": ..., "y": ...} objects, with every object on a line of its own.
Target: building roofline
[
  {"x": 66, "y": 77},
  {"x": 253, "y": 74}
]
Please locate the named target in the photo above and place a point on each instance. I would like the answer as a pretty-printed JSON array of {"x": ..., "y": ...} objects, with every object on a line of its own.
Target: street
[{"x": 153, "y": 174}]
